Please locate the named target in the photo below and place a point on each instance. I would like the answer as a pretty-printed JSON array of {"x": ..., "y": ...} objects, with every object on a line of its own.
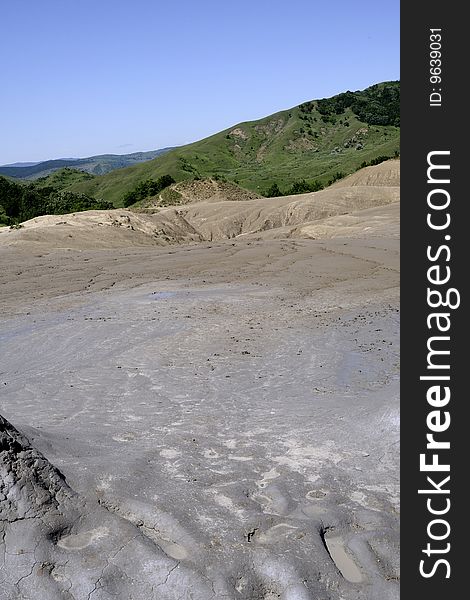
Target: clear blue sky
[{"x": 95, "y": 76}]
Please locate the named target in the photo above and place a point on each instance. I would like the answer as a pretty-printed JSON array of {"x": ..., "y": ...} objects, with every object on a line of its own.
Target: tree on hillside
[
  {"x": 273, "y": 191},
  {"x": 165, "y": 180},
  {"x": 20, "y": 202},
  {"x": 336, "y": 177},
  {"x": 10, "y": 197},
  {"x": 302, "y": 187}
]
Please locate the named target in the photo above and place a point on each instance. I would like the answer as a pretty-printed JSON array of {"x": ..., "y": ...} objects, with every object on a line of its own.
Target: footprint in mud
[
  {"x": 173, "y": 549},
  {"x": 272, "y": 500},
  {"x": 81, "y": 540},
  {"x": 341, "y": 555},
  {"x": 170, "y": 453},
  {"x": 314, "y": 508},
  {"x": 161, "y": 528},
  {"x": 170, "y": 548},
  {"x": 228, "y": 504},
  {"x": 315, "y": 494},
  {"x": 267, "y": 477},
  {"x": 274, "y": 534}
]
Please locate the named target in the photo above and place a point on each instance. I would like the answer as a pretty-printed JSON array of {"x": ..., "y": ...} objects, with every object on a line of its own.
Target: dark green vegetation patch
[
  {"x": 20, "y": 202},
  {"x": 147, "y": 188},
  {"x": 377, "y": 105}
]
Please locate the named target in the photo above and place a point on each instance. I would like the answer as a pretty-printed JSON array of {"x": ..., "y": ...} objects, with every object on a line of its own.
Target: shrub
[
  {"x": 217, "y": 177},
  {"x": 302, "y": 187},
  {"x": 338, "y": 175},
  {"x": 273, "y": 191},
  {"x": 316, "y": 186},
  {"x": 130, "y": 198},
  {"x": 299, "y": 187}
]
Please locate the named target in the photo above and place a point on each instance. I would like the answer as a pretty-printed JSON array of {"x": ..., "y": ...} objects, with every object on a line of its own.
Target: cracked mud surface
[{"x": 198, "y": 422}]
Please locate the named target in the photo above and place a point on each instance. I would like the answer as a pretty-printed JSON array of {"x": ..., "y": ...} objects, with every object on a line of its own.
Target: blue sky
[{"x": 91, "y": 77}]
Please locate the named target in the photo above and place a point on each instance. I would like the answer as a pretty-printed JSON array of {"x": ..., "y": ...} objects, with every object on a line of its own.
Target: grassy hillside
[
  {"x": 61, "y": 179},
  {"x": 315, "y": 140},
  {"x": 194, "y": 191}
]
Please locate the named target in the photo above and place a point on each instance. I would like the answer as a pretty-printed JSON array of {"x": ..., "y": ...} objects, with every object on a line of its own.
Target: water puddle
[
  {"x": 344, "y": 562},
  {"x": 232, "y": 294},
  {"x": 162, "y": 295}
]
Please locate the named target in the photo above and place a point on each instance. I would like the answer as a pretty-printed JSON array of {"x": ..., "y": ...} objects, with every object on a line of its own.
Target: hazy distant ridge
[{"x": 97, "y": 165}]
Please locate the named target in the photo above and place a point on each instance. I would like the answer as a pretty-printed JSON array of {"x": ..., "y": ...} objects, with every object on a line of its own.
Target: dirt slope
[
  {"x": 384, "y": 174},
  {"x": 210, "y": 219},
  {"x": 201, "y": 190}
]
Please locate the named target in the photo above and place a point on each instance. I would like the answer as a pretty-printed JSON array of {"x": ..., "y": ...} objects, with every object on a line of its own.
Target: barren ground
[{"x": 223, "y": 418}]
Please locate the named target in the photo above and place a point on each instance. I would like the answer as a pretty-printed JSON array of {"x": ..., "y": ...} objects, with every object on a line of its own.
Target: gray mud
[{"x": 181, "y": 437}]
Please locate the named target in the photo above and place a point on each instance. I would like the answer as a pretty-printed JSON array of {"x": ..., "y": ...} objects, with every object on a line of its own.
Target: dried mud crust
[
  {"x": 220, "y": 412},
  {"x": 30, "y": 487}
]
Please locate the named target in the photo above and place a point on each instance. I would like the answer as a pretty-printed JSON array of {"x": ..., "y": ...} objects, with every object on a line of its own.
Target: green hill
[
  {"x": 61, "y": 179},
  {"x": 313, "y": 141}
]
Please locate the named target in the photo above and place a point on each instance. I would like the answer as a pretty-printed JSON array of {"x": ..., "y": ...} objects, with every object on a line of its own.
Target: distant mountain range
[
  {"x": 27, "y": 164},
  {"x": 96, "y": 165}
]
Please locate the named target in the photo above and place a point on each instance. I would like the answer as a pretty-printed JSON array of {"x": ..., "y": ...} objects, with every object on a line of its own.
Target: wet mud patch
[{"x": 345, "y": 563}]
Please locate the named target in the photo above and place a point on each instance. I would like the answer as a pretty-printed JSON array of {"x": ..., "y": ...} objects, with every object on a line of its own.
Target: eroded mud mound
[
  {"x": 56, "y": 544},
  {"x": 208, "y": 211},
  {"x": 30, "y": 487}
]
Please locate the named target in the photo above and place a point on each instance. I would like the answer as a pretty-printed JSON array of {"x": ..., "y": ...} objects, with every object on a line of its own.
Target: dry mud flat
[
  {"x": 364, "y": 203},
  {"x": 200, "y": 422}
]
